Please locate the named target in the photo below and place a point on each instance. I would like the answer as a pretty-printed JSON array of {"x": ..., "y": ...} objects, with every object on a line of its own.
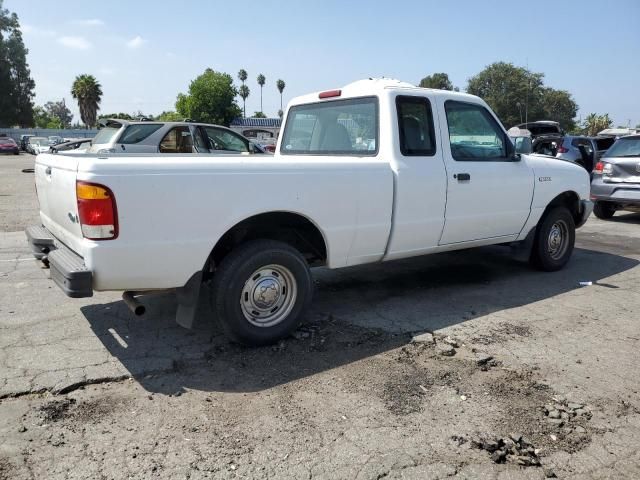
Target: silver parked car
[
  {"x": 585, "y": 151},
  {"x": 123, "y": 136},
  {"x": 616, "y": 178}
]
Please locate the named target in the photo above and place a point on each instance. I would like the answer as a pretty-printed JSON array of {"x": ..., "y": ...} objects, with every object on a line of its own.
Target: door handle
[
  {"x": 48, "y": 171},
  {"x": 462, "y": 176}
]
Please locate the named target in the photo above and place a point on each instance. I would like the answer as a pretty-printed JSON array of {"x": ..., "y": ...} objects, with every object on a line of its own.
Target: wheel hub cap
[
  {"x": 268, "y": 296},
  {"x": 266, "y": 293},
  {"x": 558, "y": 239}
]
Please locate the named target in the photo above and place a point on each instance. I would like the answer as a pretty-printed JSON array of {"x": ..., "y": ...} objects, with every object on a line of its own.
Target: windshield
[
  {"x": 105, "y": 135},
  {"x": 39, "y": 141},
  {"x": 625, "y": 147}
]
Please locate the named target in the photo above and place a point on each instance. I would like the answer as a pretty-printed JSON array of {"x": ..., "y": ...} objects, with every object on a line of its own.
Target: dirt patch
[
  {"x": 56, "y": 410},
  {"x": 5, "y": 469},
  {"x": 502, "y": 333}
]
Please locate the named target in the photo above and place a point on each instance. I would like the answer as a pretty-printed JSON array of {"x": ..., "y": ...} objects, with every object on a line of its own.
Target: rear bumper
[
  {"x": 586, "y": 207},
  {"x": 68, "y": 270},
  {"x": 620, "y": 193}
]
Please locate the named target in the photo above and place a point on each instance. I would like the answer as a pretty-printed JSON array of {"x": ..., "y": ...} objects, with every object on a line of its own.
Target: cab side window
[
  {"x": 220, "y": 139},
  {"x": 415, "y": 126},
  {"x": 474, "y": 135},
  {"x": 177, "y": 140}
]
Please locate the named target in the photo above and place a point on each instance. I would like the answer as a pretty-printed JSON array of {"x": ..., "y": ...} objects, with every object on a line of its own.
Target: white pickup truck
[{"x": 376, "y": 171}]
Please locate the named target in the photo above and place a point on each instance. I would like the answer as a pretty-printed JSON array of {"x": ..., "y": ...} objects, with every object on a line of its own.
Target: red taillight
[
  {"x": 330, "y": 93},
  {"x": 598, "y": 168},
  {"x": 562, "y": 149},
  {"x": 97, "y": 211}
]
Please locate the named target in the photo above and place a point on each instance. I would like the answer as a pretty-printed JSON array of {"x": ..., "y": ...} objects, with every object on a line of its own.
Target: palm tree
[
  {"x": 243, "y": 91},
  {"x": 242, "y": 75},
  {"x": 88, "y": 92},
  {"x": 261, "y": 81},
  {"x": 280, "y": 84}
]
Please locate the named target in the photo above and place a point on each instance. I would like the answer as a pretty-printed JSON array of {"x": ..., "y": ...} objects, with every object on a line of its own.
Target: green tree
[
  {"x": 211, "y": 99},
  {"x": 169, "y": 117},
  {"x": 280, "y": 84},
  {"x": 437, "y": 80},
  {"x": 59, "y": 111},
  {"x": 16, "y": 85},
  {"x": 559, "y": 105},
  {"x": 503, "y": 86},
  {"x": 261, "y": 81},
  {"x": 88, "y": 92},
  {"x": 244, "y": 90},
  {"x": 43, "y": 119},
  {"x": 121, "y": 116},
  {"x": 517, "y": 95},
  {"x": 259, "y": 115},
  {"x": 595, "y": 123}
]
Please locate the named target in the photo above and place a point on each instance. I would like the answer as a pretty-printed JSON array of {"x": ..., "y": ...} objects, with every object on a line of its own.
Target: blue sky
[{"x": 145, "y": 52}]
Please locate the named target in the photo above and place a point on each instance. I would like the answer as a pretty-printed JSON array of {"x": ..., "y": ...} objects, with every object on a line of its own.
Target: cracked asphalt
[{"x": 362, "y": 390}]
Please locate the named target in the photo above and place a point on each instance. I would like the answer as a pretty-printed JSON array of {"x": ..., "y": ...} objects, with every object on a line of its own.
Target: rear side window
[
  {"x": 336, "y": 127},
  {"x": 415, "y": 126},
  {"x": 177, "y": 140},
  {"x": 474, "y": 135},
  {"x": 105, "y": 135},
  {"x": 220, "y": 139},
  {"x": 137, "y": 133}
]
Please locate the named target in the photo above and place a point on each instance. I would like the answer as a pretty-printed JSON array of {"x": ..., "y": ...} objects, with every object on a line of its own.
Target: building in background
[{"x": 264, "y": 131}]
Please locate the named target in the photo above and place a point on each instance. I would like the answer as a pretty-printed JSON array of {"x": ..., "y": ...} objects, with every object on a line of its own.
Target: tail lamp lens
[
  {"x": 599, "y": 167},
  {"x": 562, "y": 149},
  {"x": 97, "y": 211}
]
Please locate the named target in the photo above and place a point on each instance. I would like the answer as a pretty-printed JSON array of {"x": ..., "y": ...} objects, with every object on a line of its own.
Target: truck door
[
  {"x": 488, "y": 193},
  {"x": 420, "y": 176}
]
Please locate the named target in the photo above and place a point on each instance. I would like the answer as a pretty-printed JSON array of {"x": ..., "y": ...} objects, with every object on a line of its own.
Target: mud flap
[
  {"x": 188, "y": 297},
  {"x": 522, "y": 250}
]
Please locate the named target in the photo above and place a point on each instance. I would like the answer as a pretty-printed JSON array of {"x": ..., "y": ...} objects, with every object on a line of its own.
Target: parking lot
[{"x": 466, "y": 364}]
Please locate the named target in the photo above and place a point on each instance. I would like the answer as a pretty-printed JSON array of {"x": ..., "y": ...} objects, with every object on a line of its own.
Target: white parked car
[
  {"x": 38, "y": 145},
  {"x": 375, "y": 171}
]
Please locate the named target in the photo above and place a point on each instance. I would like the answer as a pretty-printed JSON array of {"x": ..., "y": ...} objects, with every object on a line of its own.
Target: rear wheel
[
  {"x": 554, "y": 240},
  {"x": 260, "y": 292},
  {"x": 604, "y": 210}
]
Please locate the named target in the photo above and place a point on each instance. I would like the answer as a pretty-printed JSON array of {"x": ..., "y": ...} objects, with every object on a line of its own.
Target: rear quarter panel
[{"x": 172, "y": 209}]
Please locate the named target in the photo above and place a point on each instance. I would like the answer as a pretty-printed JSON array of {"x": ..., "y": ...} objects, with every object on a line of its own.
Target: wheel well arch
[
  {"x": 289, "y": 227},
  {"x": 569, "y": 199}
]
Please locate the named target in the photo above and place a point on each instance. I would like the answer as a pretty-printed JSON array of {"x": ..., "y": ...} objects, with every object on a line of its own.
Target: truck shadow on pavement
[{"x": 357, "y": 313}]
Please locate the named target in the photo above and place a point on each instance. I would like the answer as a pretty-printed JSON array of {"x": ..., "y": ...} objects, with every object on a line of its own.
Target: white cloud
[
  {"x": 78, "y": 43},
  {"x": 35, "y": 31},
  {"x": 89, "y": 22},
  {"x": 136, "y": 42}
]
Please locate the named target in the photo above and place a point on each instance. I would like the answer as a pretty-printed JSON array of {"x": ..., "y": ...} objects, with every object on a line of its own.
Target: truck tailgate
[{"x": 56, "y": 187}]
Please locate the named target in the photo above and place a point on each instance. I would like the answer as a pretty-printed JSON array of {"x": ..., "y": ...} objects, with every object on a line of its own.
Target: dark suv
[{"x": 616, "y": 178}]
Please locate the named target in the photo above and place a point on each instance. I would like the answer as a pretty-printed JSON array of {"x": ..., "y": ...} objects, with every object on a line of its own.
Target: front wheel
[
  {"x": 554, "y": 240},
  {"x": 260, "y": 292},
  {"x": 604, "y": 210}
]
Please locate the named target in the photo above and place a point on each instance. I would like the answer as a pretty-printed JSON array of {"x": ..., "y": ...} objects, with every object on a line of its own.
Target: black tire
[
  {"x": 238, "y": 270},
  {"x": 544, "y": 254},
  {"x": 604, "y": 210}
]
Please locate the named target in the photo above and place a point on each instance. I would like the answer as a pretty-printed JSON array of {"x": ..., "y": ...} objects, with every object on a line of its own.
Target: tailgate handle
[{"x": 48, "y": 171}]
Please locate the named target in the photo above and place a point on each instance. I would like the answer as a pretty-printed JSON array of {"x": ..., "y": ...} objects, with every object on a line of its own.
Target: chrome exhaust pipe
[{"x": 134, "y": 305}]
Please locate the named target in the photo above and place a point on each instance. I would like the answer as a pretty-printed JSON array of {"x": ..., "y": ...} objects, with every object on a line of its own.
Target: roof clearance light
[{"x": 330, "y": 93}]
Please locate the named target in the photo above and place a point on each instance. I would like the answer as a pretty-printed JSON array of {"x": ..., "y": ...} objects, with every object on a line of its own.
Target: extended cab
[{"x": 376, "y": 171}]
